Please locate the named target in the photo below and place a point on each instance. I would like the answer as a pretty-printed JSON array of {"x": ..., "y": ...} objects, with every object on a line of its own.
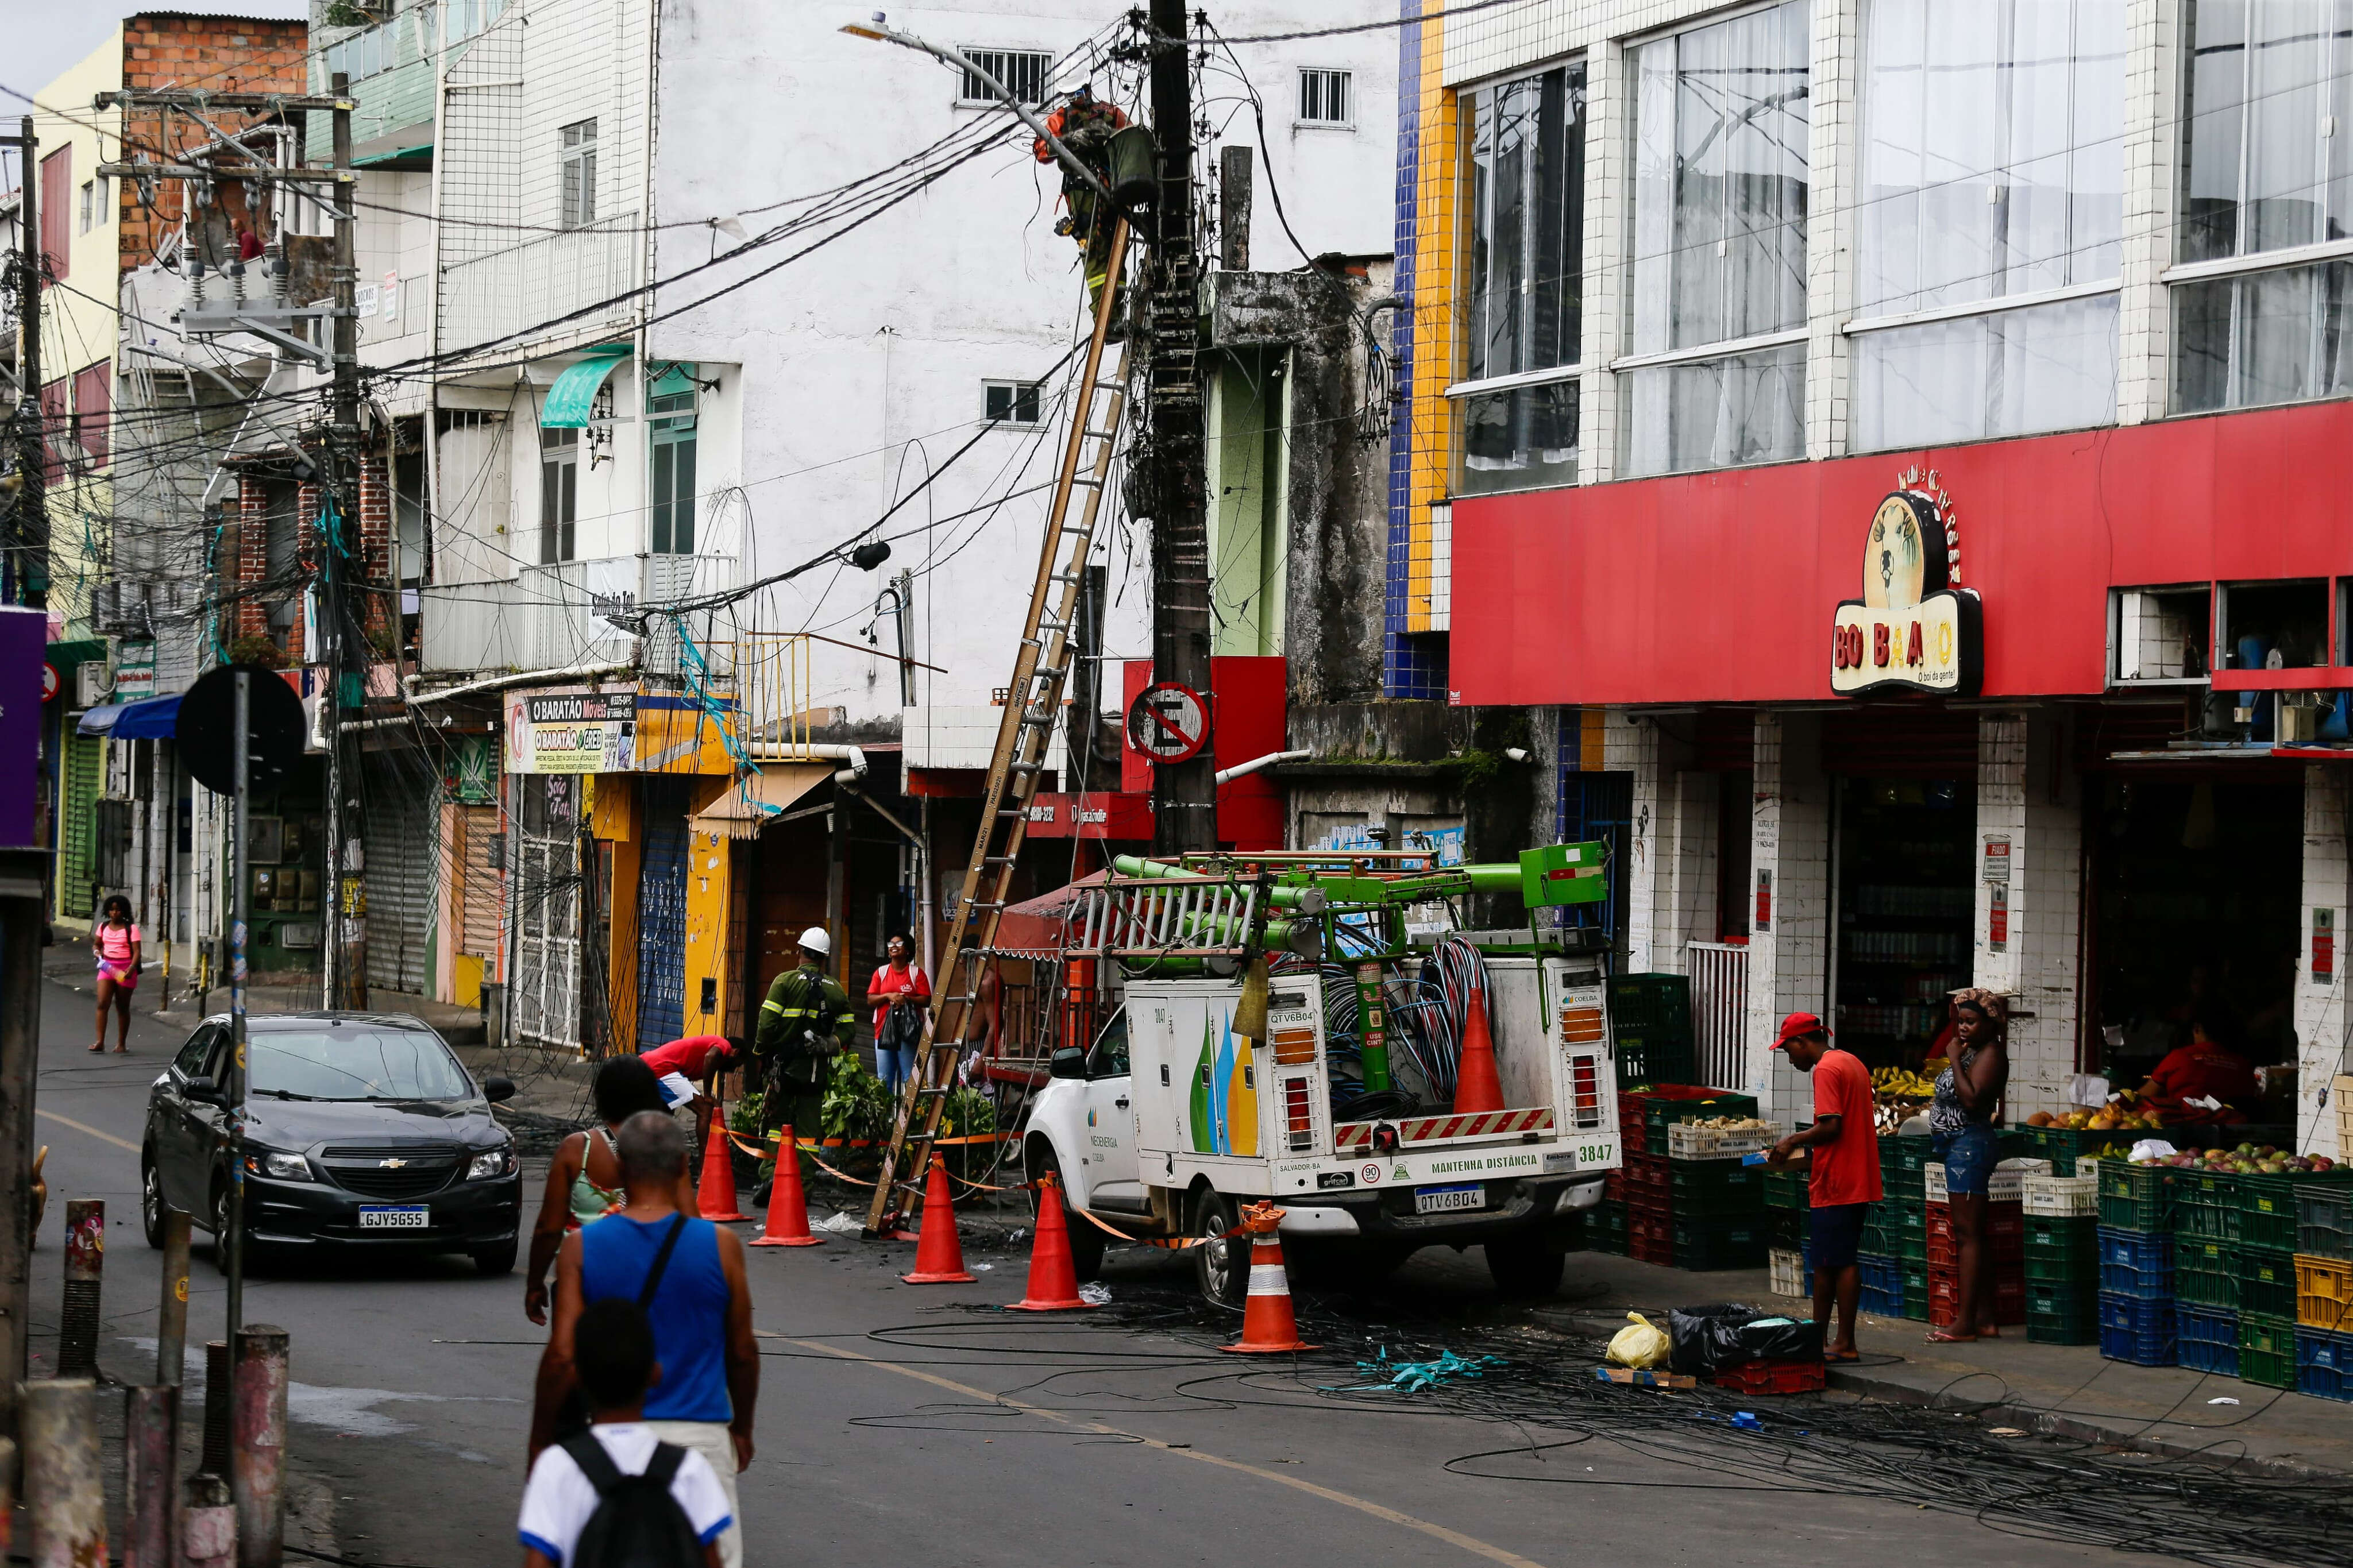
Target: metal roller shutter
[
  {"x": 397, "y": 836},
  {"x": 478, "y": 856},
  {"x": 662, "y": 916},
  {"x": 85, "y": 769}
]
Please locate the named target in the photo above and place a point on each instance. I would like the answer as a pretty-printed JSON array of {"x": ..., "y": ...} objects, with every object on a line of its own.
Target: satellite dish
[{"x": 206, "y": 728}]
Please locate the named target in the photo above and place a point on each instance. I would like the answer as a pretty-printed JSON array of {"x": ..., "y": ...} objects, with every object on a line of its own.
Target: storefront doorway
[
  {"x": 2197, "y": 890},
  {"x": 1904, "y": 904}
]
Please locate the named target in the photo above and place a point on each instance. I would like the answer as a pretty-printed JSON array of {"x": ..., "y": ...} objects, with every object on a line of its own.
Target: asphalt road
[{"x": 902, "y": 1425}]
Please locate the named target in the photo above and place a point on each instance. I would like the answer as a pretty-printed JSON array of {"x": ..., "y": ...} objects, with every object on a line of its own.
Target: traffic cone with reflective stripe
[
  {"x": 787, "y": 1209},
  {"x": 1268, "y": 1326},
  {"x": 939, "y": 1251},
  {"x": 1053, "y": 1278},
  {"x": 717, "y": 1193},
  {"x": 1476, "y": 1088}
]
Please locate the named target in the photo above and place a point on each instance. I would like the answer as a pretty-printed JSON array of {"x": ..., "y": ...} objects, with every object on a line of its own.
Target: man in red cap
[{"x": 1843, "y": 1160}]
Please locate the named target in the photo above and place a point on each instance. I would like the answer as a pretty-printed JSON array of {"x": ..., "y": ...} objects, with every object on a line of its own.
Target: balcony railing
[{"x": 576, "y": 612}]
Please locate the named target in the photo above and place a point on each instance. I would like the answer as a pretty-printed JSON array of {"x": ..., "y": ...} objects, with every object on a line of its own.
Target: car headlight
[
  {"x": 496, "y": 1162},
  {"x": 277, "y": 1167}
]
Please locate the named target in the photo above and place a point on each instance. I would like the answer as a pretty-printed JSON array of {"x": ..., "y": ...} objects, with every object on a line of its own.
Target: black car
[{"x": 362, "y": 1129}]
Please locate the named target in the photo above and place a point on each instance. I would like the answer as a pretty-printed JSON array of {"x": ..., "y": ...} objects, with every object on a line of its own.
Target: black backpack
[{"x": 637, "y": 1524}]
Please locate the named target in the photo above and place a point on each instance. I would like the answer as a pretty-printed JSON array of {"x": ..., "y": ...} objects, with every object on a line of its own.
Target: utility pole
[
  {"x": 347, "y": 952},
  {"x": 27, "y": 564},
  {"x": 1184, "y": 794}
]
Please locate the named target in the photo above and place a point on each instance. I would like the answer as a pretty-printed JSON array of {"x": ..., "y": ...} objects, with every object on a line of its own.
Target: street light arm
[{"x": 883, "y": 33}]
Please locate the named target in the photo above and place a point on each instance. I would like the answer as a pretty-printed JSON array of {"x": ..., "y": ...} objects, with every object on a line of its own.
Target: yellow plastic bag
[{"x": 1637, "y": 1344}]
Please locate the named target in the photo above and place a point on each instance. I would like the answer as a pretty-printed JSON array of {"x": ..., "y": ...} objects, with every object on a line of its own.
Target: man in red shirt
[
  {"x": 1843, "y": 1158},
  {"x": 693, "y": 1061}
]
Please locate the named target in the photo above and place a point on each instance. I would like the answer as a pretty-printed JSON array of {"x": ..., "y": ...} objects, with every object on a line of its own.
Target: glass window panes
[
  {"x": 2268, "y": 337},
  {"x": 559, "y": 493},
  {"x": 1719, "y": 413},
  {"x": 2270, "y": 88},
  {"x": 2007, "y": 373},
  {"x": 579, "y": 140},
  {"x": 672, "y": 416},
  {"x": 1009, "y": 402},
  {"x": 1024, "y": 72},
  {"x": 1525, "y": 244},
  {"x": 1720, "y": 182},
  {"x": 1993, "y": 150},
  {"x": 365, "y": 53},
  {"x": 461, "y": 19},
  {"x": 1521, "y": 439},
  {"x": 1324, "y": 97}
]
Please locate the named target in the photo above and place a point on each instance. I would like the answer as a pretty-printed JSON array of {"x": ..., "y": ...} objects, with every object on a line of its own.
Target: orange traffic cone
[
  {"x": 717, "y": 1193},
  {"x": 1476, "y": 1088},
  {"x": 939, "y": 1252},
  {"x": 787, "y": 1209},
  {"x": 1053, "y": 1278},
  {"x": 1268, "y": 1326}
]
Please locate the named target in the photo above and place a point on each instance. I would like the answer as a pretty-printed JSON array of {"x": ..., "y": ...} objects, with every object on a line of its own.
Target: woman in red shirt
[{"x": 898, "y": 993}]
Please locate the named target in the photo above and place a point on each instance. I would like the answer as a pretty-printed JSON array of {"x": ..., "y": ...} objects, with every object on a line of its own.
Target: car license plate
[
  {"x": 1439, "y": 1200},
  {"x": 414, "y": 1216}
]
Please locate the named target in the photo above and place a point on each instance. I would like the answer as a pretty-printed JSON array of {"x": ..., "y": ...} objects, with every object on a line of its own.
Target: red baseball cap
[{"x": 1798, "y": 1025}]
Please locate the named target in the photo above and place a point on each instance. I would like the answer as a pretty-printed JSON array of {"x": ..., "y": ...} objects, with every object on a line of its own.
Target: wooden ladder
[{"x": 1042, "y": 669}]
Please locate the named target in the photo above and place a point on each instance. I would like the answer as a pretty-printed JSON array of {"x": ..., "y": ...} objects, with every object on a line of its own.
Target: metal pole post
[
  {"x": 32, "y": 531},
  {"x": 232, "y": 1235},
  {"x": 151, "y": 1476},
  {"x": 1184, "y": 794},
  {"x": 172, "y": 1318},
  {"x": 906, "y": 590},
  {"x": 219, "y": 1396},
  {"x": 346, "y": 960},
  {"x": 208, "y": 1523},
  {"x": 62, "y": 1495},
  {"x": 257, "y": 1443},
  {"x": 85, "y": 1263},
  {"x": 20, "y": 1035}
]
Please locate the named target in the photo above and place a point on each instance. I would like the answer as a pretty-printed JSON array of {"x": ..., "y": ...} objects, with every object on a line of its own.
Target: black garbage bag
[
  {"x": 1705, "y": 1340},
  {"x": 1798, "y": 1341}
]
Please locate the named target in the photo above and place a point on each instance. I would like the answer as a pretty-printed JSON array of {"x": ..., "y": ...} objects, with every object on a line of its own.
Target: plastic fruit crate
[
  {"x": 1905, "y": 1156},
  {"x": 1774, "y": 1377},
  {"x": 1647, "y": 1003},
  {"x": 1792, "y": 1228},
  {"x": 2267, "y": 1206},
  {"x": 1945, "y": 1296},
  {"x": 1711, "y": 1188},
  {"x": 2323, "y": 1363},
  {"x": 2206, "y": 1273},
  {"x": 2134, "y": 1198},
  {"x": 2266, "y": 1283},
  {"x": 2063, "y": 1301},
  {"x": 2324, "y": 1293},
  {"x": 2135, "y": 1328},
  {"x": 1662, "y": 1112},
  {"x": 2062, "y": 1332},
  {"x": 2266, "y": 1351},
  {"x": 2206, "y": 1203},
  {"x": 2060, "y": 1197},
  {"x": 2133, "y": 1264},
  {"x": 1788, "y": 1189},
  {"x": 2324, "y": 1221},
  {"x": 1705, "y": 1244},
  {"x": 1688, "y": 1142},
  {"x": 2007, "y": 1184},
  {"x": 1789, "y": 1275},
  {"x": 2062, "y": 1146},
  {"x": 2061, "y": 1248},
  {"x": 2206, "y": 1339},
  {"x": 1653, "y": 1059}
]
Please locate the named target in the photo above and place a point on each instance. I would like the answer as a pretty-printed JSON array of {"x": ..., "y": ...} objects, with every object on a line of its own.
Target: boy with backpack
[{"x": 616, "y": 1496}]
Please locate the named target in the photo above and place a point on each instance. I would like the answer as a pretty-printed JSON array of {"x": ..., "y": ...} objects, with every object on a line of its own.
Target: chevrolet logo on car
[{"x": 390, "y": 1165}]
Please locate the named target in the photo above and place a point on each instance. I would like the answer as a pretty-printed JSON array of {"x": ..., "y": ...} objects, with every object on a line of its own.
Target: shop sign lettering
[
  {"x": 1913, "y": 628},
  {"x": 2324, "y": 947}
]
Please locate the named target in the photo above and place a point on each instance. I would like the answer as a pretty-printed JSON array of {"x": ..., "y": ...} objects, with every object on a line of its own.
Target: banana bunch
[{"x": 1902, "y": 1083}]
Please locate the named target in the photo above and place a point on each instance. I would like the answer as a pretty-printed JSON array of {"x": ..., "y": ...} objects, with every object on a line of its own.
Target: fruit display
[
  {"x": 2113, "y": 1116},
  {"x": 2246, "y": 1160},
  {"x": 1902, "y": 1083},
  {"x": 1733, "y": 1124}
]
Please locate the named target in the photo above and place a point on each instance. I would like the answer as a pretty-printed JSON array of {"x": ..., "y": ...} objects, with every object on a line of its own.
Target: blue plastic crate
[
  {"x": 2206, "y": 1339},
  {"x": 2136, "y": 1263},
  {"x": 2323, "y": 1363},
  {"x": 1883, "y": 1285},
  {"x": 2137, "y": 1329}
]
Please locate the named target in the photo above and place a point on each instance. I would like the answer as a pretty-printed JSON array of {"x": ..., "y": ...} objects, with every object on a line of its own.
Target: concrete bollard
[
  {"x": 257, "y": 1445},
  {"x": 172, "y": 1321},
  {"x": 84, "y": 1258},
  {"x": 63, "y": 1499},
  {"x": 207, "y": 1523},
  {"x": 219, "y": 1396},
  {"x": 150, "y": 1474}
]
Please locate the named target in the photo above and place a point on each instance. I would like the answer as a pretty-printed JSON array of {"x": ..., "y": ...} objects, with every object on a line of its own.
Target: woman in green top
[{"x": 584, "y": 1180}]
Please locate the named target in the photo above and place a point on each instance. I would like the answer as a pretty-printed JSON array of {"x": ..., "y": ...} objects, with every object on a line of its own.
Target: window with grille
[
  {"x": 671, "y": 409},
  {"x": 579, "y": 173},
  {"x": 1024, "y": 73},
  {"x": 1324, "y": 98},
  {"x": 1010, "y": 402},
  {"x": 559, "y": 493}
]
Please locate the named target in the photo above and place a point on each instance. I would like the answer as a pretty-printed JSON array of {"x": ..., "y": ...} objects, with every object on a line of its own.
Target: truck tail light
[
  {"x": 1584, "y": 1091},
  {"x": 1297, "y": 1121},
  {"x": 1580, "y": 1025}
]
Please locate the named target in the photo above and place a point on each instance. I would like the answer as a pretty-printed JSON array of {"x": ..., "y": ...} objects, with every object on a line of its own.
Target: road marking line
[
  {"x": 1388, "y": 1515},
  {"x": 85, "y": 1127}
]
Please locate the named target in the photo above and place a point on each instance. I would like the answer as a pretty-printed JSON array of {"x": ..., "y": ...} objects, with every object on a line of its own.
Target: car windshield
[{"x": 343, "y": 1063}]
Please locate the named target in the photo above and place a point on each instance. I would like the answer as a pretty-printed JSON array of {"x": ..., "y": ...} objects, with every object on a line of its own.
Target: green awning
[{"x": 575, "y": 389}]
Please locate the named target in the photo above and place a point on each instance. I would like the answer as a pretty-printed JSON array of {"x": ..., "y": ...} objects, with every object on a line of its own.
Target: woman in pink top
[
  {"x": 114, "y": 943},
  {"x": 898, "y": 993}
]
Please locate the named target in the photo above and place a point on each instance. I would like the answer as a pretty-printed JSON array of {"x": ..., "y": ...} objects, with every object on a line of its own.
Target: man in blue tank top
[{"x": 699, "y": 1305}]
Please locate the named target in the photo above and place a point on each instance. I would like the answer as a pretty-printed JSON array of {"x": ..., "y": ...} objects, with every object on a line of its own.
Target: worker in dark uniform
[
  {"x": 1084, "y": 124},
  {"x": 800, "y": 1032}
]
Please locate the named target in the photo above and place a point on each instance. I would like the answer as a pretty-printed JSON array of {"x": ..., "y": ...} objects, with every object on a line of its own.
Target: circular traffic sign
[
  {"x": 51, "y": 683},
  {"x": 1167, "y": 723},
  {"x": 206, "y": 728}
]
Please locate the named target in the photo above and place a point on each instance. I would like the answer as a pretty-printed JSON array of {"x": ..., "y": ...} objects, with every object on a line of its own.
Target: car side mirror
[
  {"x": 497, "y": 1086},
  {"x": 1068, "y": 1062},
  {"x": 202, "y": 1090}
]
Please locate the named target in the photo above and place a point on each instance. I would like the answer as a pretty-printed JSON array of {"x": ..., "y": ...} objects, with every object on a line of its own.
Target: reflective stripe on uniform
[{"x": 770, "y": 1007}]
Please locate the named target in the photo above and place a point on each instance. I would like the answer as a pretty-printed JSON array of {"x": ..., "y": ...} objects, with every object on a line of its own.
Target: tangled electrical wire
[{"x": 1427, "y": 1009}]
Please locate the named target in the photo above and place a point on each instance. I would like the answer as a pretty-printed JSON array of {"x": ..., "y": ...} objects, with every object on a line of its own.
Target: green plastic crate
[
  {"x": 1915, "y": 1303},
  {"x": 1643, "y": 1003},
  {"x": 2206, "y": 1272},
  {"x": 2062, "y": 1332},
  {"x": 2266, "y": 1283},
  {"x": 2062, "y": 1146},
  {"x": 2267, "y": 1349},
  {"x": 1653, "y": 1058},
  {"x": 2051, "y": 1235},
  {"x": 1788, "y": 1227},
  {"x": 2064, "y": 1268},
  {"x": 2206, "y": 1204},
  {"x": 1788, "y": 1190},
  {"x": 2136, "y": 1197},
  {"x": 2267, "y": 1206},
  {"x": 1710, "y": 1244},
  {"x": 1905, "y": 1156},
  {"x": 2074, "y": 1303},
  {"x": 2324, "y": 1221},
  {"x": 1658, "y": 1115},
  {"x": 1709, "y": 1189}
]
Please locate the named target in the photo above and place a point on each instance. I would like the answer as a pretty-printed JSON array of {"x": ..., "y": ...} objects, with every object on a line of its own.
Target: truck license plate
[
  {"x": 1439, "y": 1200},
  {"x": 414, "y": 1216}
]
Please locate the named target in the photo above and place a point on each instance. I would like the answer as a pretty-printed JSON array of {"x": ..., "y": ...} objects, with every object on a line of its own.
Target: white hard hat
[{"x": 816, "y": 940}]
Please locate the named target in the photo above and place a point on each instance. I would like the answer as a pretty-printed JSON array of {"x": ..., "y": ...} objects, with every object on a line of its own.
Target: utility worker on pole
[
  {"x": 800, "y": 1031},
  {"x": 1084, "y": 124}
]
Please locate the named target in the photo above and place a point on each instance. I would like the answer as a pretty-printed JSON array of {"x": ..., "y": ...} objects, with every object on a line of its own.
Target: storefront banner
[
  {"x": 572, "y": 730},
  {"x": 1911, "y": 628}
]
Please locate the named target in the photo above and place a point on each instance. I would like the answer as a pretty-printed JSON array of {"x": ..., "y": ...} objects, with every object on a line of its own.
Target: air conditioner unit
[
  {"x": 90, "y": 683},
  {"x": 120, "y": 609}
]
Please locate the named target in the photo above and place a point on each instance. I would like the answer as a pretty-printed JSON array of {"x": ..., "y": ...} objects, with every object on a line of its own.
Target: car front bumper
[{"x": 462, "y": 1216}]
